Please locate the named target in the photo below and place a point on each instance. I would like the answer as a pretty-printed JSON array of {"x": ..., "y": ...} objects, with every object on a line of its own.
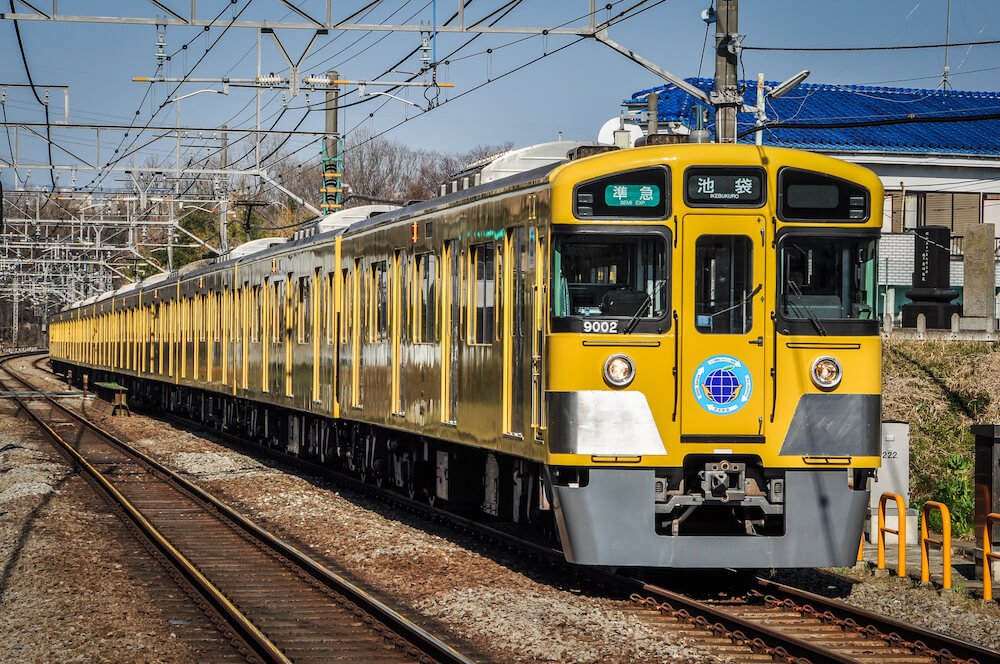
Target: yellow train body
[{"x": 672, "y": 350}]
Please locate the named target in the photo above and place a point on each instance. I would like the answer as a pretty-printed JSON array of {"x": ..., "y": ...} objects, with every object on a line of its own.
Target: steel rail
[
  {"x": 934, "y": 644},
  {"x": 250, "y": 634},
  {"x": 416, "y": 636}
]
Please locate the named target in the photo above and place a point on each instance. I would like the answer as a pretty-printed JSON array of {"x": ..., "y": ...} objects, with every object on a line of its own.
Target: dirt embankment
[{"x": 941, "y": 388}]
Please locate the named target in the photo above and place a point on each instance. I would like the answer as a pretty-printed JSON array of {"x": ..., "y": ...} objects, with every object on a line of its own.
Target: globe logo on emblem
[{"x": 722, "y": 385}]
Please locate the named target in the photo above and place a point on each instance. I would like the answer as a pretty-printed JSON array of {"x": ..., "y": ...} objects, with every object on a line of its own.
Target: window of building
[{"x": 957, "y": 211}]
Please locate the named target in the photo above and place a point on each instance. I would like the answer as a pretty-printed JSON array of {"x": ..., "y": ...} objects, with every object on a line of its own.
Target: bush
[{"x": 955, "y": 489}]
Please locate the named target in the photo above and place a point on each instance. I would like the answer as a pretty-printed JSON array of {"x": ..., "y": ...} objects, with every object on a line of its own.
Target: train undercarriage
[{"x": 499, "y": 486}]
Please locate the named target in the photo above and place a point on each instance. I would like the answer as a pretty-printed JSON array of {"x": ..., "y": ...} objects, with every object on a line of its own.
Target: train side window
[
  {"x": 483, "y": 292},
  {"x": 427, "y": 274},
  {"x": 361, "y": 302},
  {"x": 201, "y": 310},
  {"x": 329, "y": 319},
  {"x": 274, "y": 315},
  {"x": 345, "y": 306},
  {"x": 255, "y": 313},
  {"x": 380, "y": 297},
  {"x": 498, "y": 293},
  {"x": 723, "y": 284},
  {"x": 304, "y": 310}
]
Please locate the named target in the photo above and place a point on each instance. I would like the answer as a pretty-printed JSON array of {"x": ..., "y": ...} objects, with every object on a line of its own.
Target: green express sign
[{"x": 632, "y": 195}]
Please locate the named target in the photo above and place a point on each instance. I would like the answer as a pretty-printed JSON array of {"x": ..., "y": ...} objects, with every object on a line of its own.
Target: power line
[
  {"x": 907, "y": 47},
  {"x": 48, "y": 125},
  {"x": 871, "y": 123},
  {"x": 177, "y": 87}
]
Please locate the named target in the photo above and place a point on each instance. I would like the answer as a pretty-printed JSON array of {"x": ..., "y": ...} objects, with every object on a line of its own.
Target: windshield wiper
[
  {"x": 810, "y": 314},
  {"x": 637, "y": 316}
]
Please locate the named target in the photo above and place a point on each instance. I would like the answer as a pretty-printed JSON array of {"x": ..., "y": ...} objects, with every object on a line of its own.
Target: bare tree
[{"x": 378, "y": 168}]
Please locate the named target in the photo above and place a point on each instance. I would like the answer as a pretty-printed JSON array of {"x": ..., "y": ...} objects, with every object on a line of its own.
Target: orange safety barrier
[
  {"x": 900, "y": 533},
  {"x": 988, "y": 556},
  {"x": 944, "y": 542},
  {"x": 861, "y": 548}
]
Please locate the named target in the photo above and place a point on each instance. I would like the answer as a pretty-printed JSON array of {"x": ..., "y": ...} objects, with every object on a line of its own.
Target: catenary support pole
[{"x": 725, "y": 96}]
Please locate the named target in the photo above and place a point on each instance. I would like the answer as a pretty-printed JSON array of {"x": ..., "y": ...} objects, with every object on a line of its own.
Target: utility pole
[
  {"x": 725, "y": 96},
  {"x": 17, "y": 313},
  {"x": 331, "y": 161}
]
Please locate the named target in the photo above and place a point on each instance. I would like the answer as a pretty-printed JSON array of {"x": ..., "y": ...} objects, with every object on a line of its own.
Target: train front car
[{"x": 713, "y": 367}]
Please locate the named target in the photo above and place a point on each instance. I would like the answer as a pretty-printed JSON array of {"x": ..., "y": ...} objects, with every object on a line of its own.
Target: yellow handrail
[
  {"x": 988, "y": 556},
  {"x": 944, "y": 542},
  {"x": 861, "y": 548},
  {"x": 900, "y": 533}
]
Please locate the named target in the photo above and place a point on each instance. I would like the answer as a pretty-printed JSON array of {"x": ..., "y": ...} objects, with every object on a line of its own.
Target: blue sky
[{"x": 573, "y": 91}]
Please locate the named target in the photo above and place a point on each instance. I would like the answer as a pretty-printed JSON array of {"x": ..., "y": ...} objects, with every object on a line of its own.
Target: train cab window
[
  {"x": 809, "y": 196},
  {"x": 826, "y": 280},
  {"x": 608, "y": 276},
  {"x": 723, "y": 284},
  {"x": 484, "y": 292}
]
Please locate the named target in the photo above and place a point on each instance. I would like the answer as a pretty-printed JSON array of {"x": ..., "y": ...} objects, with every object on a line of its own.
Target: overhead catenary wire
[
  {"x": 870, "y": 123},
  {"x": 621, "y": 17},
  {"x": 27, "y": 71},
  {"x": 904, "y": 47},
  {"x": 177, "y": 87}
]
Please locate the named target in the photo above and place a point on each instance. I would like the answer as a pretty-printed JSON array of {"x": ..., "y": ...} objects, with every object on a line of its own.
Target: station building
[{"x": 937, "y": 153}]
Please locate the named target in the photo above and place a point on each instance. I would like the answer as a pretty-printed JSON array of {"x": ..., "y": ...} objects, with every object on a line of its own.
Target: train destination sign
[
  {"x": 730, "y": 186},
  {"x": 632, "y": 195},
  {"x": 642, "y": 193}
]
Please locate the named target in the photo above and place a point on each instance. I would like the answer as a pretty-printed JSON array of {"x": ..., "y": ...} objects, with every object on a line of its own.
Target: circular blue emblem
[{"x": 722, "y": 385}]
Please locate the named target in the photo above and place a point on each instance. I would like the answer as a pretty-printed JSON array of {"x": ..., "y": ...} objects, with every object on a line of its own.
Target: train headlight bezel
[
  {"x": 826, "y": 372},
  {"x": 619, "y": 370}
]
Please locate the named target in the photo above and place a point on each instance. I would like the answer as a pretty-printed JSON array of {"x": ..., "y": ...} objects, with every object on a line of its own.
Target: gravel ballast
[{"x": 491, "y": 602}]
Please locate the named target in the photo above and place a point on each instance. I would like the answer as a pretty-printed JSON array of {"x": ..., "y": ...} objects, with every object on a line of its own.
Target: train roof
[{"x": 535, "y": 175}]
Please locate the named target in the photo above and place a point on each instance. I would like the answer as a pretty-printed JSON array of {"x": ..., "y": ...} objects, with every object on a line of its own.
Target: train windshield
[
  {"x": 827, "y": 278},
  {"x": 609, "y": 275}
]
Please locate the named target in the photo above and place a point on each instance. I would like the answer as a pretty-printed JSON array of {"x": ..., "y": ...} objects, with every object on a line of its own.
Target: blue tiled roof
[{"x": 828, "y": 104}]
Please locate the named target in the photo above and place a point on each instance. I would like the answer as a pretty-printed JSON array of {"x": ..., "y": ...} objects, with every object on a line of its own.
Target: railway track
[
  {"x": 272, "y": 602},
  {"x": 762, "y": 621}
]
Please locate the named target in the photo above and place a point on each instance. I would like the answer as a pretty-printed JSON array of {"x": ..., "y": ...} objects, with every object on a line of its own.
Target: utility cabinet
[{"x": 987, "y": 476}]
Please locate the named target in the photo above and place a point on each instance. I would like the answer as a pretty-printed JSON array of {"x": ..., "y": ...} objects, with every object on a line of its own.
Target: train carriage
[{"x": 669, "y": 353}]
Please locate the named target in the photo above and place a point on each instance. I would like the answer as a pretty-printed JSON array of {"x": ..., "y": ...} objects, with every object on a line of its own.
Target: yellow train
[{"x": 670, "y": 353}]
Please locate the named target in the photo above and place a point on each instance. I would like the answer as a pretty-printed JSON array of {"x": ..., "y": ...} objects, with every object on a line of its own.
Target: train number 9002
[{"x": 605, "y": 326}]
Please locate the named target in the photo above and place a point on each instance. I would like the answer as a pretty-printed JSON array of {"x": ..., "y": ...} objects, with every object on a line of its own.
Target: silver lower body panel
[{"x": 611, "y": 521}]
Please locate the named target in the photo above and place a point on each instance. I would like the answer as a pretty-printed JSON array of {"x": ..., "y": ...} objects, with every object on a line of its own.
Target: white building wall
[{"x": 895, "y": 262}]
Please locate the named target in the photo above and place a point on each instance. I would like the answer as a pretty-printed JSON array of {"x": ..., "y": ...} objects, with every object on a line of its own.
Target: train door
[
  {"x": 517, "y": 319},
  {"x": 357, "y": 305},
  {"x": 539, "y": 307},
  {"x": 722, "y": 327},
  {"x": 451, "y": 328},
  {"x": 397, "y": 306}
]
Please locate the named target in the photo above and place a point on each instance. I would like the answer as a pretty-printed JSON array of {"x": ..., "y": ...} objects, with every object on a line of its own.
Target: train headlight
[
  {"x": 619, "y": 370},
  {"x": 826, "y": 372}
]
